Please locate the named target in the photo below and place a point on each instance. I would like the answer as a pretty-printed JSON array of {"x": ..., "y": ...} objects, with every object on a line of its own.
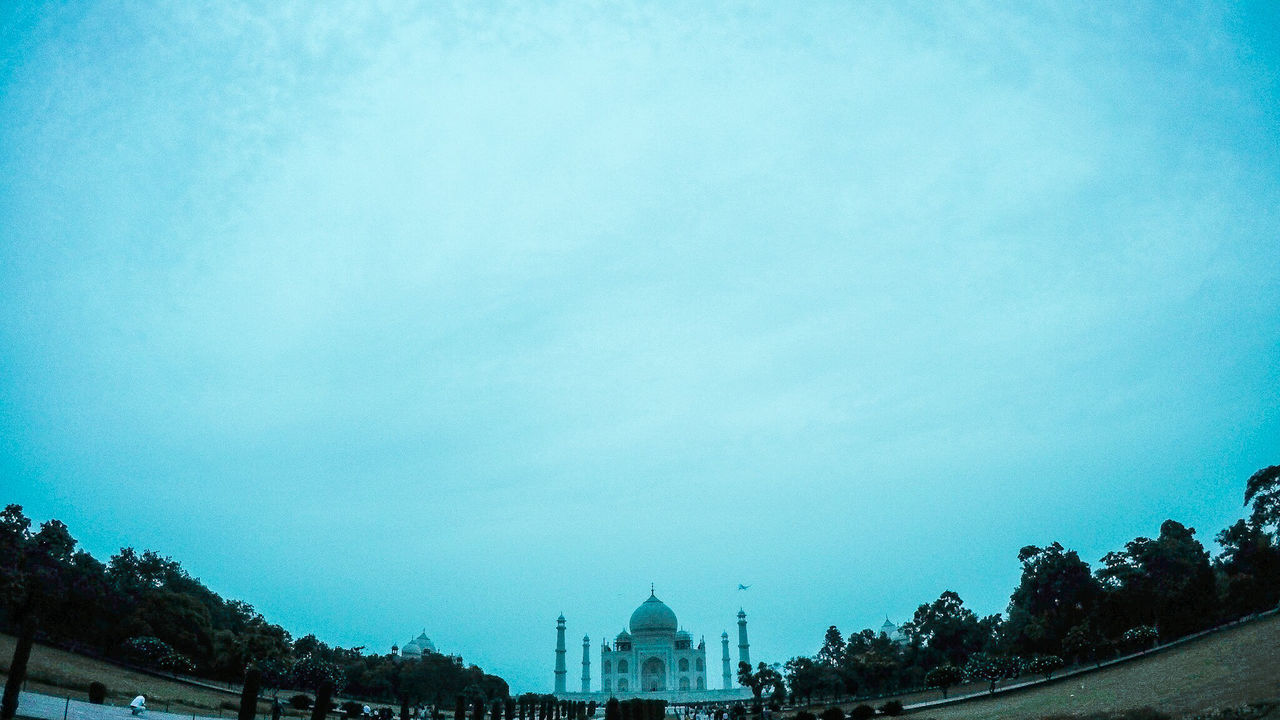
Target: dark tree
[
  {"x": 832, "y": 652},
  {"x": 324, "y": 697},
  {"x": 1166, "y": 583},
  {"x": 1263, "y": 490},
  {"x": 944, "y": 631},
  {"x": 249, "y": 694},
  {"x": 1057, "y": 592},
  {"x": 802, "y": 676},
  {"x": 35, "y": 570},
  {"x": 1250, "y": 569}
]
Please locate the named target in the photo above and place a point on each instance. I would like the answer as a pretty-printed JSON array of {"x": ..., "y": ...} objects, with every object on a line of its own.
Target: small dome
[
  {"x": 653, "y": 616},
  {"x": 624, "y": 635},
  {"x": 685, "y": 634}
]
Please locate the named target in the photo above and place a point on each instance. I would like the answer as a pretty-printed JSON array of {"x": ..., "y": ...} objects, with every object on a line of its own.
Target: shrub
[
  {"x": 832, "y": 713},
  {"x": 943, "y": 677},
  {"x": 1142, "y": 713},
  {"x": 862, "y": 712},
  {"x": 310, "y": 672},
  {"x": 97, "y": 693},
  {"x": 991, "y": 668},
  {"x": 155, "y": 653},
  {"x": 1140, "y": 638},
  {"x": 737, "y": 712},
  {"x": 300, "y": 701},
  {"x": 893, "y": 707},
  {"x": 1044, "y": 665},
  {"x": 805, "y": 715},
  {"x": 352, "y": 708}
]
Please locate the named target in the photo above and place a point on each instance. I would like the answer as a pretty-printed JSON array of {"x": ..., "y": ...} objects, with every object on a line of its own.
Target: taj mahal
[{"x": 654, "y": 658}]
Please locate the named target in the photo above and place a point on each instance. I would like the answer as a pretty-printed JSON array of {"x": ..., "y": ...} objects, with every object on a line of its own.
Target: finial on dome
[{"x": 651, "y": 592}]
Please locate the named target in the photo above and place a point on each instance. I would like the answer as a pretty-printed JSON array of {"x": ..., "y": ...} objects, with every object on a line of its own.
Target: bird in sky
[{"x": 743, "y": 587}]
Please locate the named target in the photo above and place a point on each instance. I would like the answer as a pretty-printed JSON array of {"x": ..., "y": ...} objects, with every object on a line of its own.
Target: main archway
[{"x": 653, "y": 675}]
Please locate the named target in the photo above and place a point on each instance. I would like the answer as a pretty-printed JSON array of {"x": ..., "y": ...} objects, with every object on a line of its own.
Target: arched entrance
[{"x": 653, "y": 675}]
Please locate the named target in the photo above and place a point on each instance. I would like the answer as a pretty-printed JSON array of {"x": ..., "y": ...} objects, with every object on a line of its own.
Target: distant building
[
  {"x": 654, "y": 658},
  {"x": 893, "y": 632},
  {"x": 418, "y": 646}
]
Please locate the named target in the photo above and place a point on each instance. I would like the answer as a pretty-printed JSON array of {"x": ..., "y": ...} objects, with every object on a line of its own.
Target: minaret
[
  {"x": 724, "y": 660},
  {"x": 561, "y": 673},
  {"x": 744, "y": 652},
  {"x": 586, "y": 664}
]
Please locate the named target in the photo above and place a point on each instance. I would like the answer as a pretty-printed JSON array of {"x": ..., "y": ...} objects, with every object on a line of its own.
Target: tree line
[
  {"x": 145, "y": 609},
  {"x": 1062, "y": 611}
]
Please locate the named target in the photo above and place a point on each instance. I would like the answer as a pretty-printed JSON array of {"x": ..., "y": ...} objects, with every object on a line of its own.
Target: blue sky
[{"x": 458, "y": 317}]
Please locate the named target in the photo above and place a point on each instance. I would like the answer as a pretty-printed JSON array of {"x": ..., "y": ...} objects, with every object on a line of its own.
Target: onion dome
[{"x": 653, "y": 616}]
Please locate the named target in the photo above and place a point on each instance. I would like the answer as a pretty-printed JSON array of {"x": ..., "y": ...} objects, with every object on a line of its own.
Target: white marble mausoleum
[{"x": 654, "y": 658}]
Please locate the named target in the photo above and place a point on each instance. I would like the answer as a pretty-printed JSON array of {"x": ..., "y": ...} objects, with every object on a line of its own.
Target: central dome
[{"x": 653, "y": 616}]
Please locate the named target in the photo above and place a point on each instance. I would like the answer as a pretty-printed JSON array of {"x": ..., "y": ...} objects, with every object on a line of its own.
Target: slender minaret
[
  {"x": 561, "y": 673},
  {"x": 744, "y": 652},
  {"x": 724, "y": 660},
  {"x": 586, "y": 664}
]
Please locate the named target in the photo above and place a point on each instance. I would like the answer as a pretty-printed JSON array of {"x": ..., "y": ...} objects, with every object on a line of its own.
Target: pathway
[{"x": 48, "y": 707}]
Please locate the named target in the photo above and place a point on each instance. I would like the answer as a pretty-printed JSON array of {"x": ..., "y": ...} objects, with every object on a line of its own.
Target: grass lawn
[
  {"x": 1225, "y": 669},
  {"x": 64, "y": 674}
]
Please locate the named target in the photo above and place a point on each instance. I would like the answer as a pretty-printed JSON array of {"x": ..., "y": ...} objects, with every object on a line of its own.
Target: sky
[{"x": 453, "y": 317}]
